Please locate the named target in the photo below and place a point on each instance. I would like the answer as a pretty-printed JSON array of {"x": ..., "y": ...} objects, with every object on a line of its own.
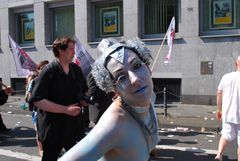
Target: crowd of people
[
  {"x": 120, "y": 87},
  {"x": 60, "y": 97}
]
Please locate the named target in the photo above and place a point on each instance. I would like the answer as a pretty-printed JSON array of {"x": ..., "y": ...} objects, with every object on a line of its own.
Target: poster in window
[
  {"x": 110, "y": 21},
  {"x": 222, "y": 14},
  {"x": 28, "y": 30}
]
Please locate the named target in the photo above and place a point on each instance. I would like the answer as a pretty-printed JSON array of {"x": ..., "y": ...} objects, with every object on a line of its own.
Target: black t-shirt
[
  {"x": 101, "y": 99},
  {"x": 55, "y": 85}
]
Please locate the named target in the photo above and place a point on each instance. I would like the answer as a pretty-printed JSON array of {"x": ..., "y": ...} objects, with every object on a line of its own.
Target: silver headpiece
[{"x": 111, "y": 47}]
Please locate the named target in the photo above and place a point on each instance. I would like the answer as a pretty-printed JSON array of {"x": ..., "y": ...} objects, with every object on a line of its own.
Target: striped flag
[
  {"x": 23, "y": 62},
  {"x": 82, "y": 58},
  {"x": 170, "y": 38}
]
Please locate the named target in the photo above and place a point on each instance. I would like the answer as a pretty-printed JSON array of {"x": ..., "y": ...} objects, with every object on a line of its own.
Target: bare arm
[
  {"x": 105, "y": 136},
  {"x": 219, "y": 105},
  {"x": 49, "y": 106}
]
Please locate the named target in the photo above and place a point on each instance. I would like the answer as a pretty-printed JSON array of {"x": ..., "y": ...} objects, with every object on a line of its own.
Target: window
[
  {"x": 219, "y": 17},
  {"x": 59, "y": 18},
  {"x": 108, "y": 20},
  {"x": 25, "y": 28},
  {"x": 157, "y": 17},
  {"x": 63, "y": 22},
  {"x": 173, "y": 89}
]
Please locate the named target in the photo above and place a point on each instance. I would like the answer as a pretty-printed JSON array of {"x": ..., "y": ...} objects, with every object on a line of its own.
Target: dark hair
[
  {"x": 62, "y": 44},
  {"x": 41, "y": 64}
]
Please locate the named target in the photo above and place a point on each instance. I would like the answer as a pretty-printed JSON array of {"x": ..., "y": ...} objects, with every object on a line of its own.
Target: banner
[
  {"x": 82, "y": 58},
  {"x": 23, "y": 62},
  {"x": 170, "y": 38}
]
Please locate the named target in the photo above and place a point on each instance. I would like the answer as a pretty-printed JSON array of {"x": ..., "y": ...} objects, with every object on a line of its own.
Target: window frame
[
  {"x": 157, "y": 36},
  {"x": 103, "y": 4},
  {"x": 14, "y": 31},
  {"x": 49, "y": 7},
  {"x": 22, "y": 23},
  {"x": 223, "y": 32}
]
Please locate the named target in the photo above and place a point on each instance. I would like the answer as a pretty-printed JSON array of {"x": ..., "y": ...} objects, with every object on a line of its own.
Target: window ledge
[
  {"x": 48, "y": 46},
  {"x": 26, "y": 47},
  {"x": 160, "y": 39},
  {"x": 93, "y": 43},
  {"x": 143, "y": 39},
  {"x": 216, "y": 36},
  {"x": 98, "y": 40}
]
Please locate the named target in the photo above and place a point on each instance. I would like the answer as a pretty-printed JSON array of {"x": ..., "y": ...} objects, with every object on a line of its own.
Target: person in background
[
  {"x": 228, "y": 109},
  {"x": 4, "y": 93},
  {"x": 30, "y": 86},
  {"x": 128, "y": 129},
  {"x": 58, "y": 95},
  {"x": 100, "y": 100}
]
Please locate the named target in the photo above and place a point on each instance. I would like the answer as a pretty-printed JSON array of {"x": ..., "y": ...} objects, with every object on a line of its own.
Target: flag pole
[{"x": 160, "y": 48}]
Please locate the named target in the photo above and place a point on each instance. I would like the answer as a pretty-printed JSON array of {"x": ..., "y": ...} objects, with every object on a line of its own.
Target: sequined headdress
[{"x": 111, "y": 47}]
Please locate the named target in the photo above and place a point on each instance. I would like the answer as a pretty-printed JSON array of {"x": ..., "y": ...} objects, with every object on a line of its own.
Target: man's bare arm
[
  {"x": 49, "y": 106},
  {"x": 219, "y": 105}
]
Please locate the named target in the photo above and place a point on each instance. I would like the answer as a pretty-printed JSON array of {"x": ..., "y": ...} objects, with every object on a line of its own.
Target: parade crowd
[{"x": 120, "y": 87}]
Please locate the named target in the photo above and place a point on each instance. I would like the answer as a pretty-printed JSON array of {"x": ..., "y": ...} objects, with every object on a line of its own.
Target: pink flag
[
  {"x": 82, "y": 58},
  {"x": 170, "y": 38},
  {"x": 23, "y": 62}
]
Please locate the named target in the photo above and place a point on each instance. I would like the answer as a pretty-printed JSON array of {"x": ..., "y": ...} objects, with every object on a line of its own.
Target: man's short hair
[{"x": 62, "y": 44}]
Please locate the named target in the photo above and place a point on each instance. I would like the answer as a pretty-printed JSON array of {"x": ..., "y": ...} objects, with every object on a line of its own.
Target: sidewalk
[
  {"x": 197, "y": 117},
  {"x": 13, "y": 105}
]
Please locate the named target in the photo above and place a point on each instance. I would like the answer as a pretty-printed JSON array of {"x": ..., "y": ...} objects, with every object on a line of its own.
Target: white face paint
[{"x": 133, "y": 79}]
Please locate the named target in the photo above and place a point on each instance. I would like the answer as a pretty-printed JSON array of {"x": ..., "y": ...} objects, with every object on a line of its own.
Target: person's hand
[
  {"x": 8, "y": 90},
  {"x": 219, "y": 115},
  {"x": 73, "y": 110}
]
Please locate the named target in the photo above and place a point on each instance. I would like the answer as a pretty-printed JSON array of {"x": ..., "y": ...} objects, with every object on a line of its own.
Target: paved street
[
  {"x": 19, "y": 143},
  {"x": 180, "y": 139},
  {"x": 183, "y": 144},
  {"x": 177, "y": 144}
]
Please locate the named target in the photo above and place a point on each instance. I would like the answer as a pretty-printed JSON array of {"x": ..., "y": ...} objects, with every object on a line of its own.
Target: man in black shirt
[
  {"x": 58, "y": 94},
  {"x": 100, "y": 100}
]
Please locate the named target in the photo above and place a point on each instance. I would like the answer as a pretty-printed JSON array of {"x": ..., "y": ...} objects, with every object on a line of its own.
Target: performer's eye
[
  {"x": 136, "y": 64},
  {"x": 120, "y": 78}
]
